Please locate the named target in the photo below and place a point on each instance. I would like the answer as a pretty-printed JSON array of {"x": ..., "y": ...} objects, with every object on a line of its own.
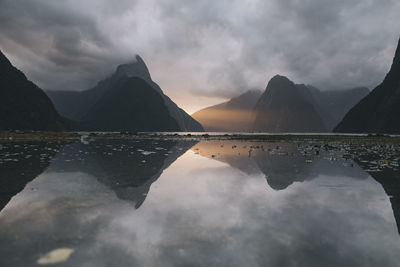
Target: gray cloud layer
[{"x": 202, "y": 47}]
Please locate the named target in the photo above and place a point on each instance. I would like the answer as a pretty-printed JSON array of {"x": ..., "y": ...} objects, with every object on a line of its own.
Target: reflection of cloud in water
[
  {"x": 63, "y": 210},
  {"x": 202, "y": 212},
  {"x": 122, "y": 165},
  {"x": 237, "y": 222},
  {"x": 20, "y": 163}
]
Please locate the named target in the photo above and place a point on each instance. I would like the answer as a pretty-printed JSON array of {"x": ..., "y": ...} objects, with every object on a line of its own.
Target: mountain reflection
[
  {"x": 128, "y": 167},
  {"x": 201, "y": 211},
  {"x": 286, "y": 163},
  {"x": 390, "y": 181},
  {"x": 20, "y": 163},
  {"x": 281, "y": 163}
]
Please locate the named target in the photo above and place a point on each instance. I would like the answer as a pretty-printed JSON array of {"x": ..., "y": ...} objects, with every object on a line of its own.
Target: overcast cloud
[{"x": 199, "y": 50}]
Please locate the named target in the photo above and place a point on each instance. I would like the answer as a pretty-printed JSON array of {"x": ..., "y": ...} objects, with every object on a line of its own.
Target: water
[{"x": 191, "y": 203}]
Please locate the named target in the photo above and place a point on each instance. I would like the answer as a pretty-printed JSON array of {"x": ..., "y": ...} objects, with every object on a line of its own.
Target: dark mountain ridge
[
  {"x": 379, "y": 111},
  {"x": 81, "y": 106},
  {"x": 23, "y": 105},
  {"x": 239, "y": 114},
  {"x": 333, "y": 105},
  {"x": 132, "y": 105},
  {"x": 284, "y": 107}
]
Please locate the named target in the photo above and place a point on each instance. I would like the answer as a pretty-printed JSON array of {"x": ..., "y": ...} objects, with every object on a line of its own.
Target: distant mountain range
[
  {"x": 127, "y": 101},
  {"x": 283, "y": 107},
  {"x": 379, "y": 112},
  {"x": 334, "y": 104},
  {"x": 23, "y": 105},
  {"x": 232, "y": 116}
]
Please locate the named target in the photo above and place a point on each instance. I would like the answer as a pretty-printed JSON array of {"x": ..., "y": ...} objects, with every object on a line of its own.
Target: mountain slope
[
  {"x": 132, "y": 105},
  {"x": 283, "y": 107},
  {"x": 334, "y": 104},
  {"x": 77, "y": 105},
  {"x": 379, "y": 112},
  {"x": 23, "y": 105},
  {"x": 232, "y": 116}
]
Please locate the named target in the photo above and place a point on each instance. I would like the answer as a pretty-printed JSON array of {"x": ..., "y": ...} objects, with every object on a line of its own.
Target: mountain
[
  {"x": 128, "y": 100},
  {"x": 237, "y": 114},
  {"x": 333, "y": 105},
  {"x": 232, "y": 116},
  {"x": 287, "y": 107},
  {"x": 131, "y": 105},
  {"x": 379, "y": 111},
  {"x": 23, "y": 105}
]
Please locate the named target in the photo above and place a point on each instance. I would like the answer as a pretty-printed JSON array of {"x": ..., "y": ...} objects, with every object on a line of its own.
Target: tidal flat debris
[
  {"x": 146, "y": 153},
  {"x": 56, "y": 256}
]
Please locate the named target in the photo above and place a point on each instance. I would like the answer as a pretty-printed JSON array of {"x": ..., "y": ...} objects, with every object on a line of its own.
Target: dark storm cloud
[
  {"x": 203, "y": 47},
  {"x": 59, "y": 44}
]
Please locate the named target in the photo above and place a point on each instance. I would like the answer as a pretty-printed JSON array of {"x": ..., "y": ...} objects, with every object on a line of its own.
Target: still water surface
[{"x": 190, "y": 203}]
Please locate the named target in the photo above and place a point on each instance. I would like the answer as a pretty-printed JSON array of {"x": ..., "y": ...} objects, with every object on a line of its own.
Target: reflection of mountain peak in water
[
  {"x": 128, "y": 167},
  {"x": 281, "y": 171},
  {"x": 281, "y": 163},
  {"x": 286, "y": 165}
]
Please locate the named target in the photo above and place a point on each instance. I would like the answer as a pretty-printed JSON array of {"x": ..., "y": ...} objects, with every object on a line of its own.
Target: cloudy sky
[{"x": 202, "y": 52}]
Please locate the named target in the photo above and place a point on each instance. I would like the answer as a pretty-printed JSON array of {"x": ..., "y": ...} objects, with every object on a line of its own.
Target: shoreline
[{"x": 19, "y": 136}]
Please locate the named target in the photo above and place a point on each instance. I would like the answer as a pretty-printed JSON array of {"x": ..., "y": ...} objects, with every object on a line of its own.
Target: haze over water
[{"x": 189, "y": 203}]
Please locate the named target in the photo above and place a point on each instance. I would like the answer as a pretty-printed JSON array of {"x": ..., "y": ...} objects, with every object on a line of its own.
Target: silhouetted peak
[
  {"x": 393, "y": 74},
  {"x": 4, "y": 61},
  {"x": 279, "y": 80},
  {"x": 395, "y": 69},
  {"x": 378, "y": 111},
  {"x": 24, "y": 105},
  {"x": 279, "y": 85},
  {"x": 397, "y": 55},
  {"x": 135, "y": 68},
  {"x": 3, "y": 58},
  {"x": 8, "y": 70}
]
